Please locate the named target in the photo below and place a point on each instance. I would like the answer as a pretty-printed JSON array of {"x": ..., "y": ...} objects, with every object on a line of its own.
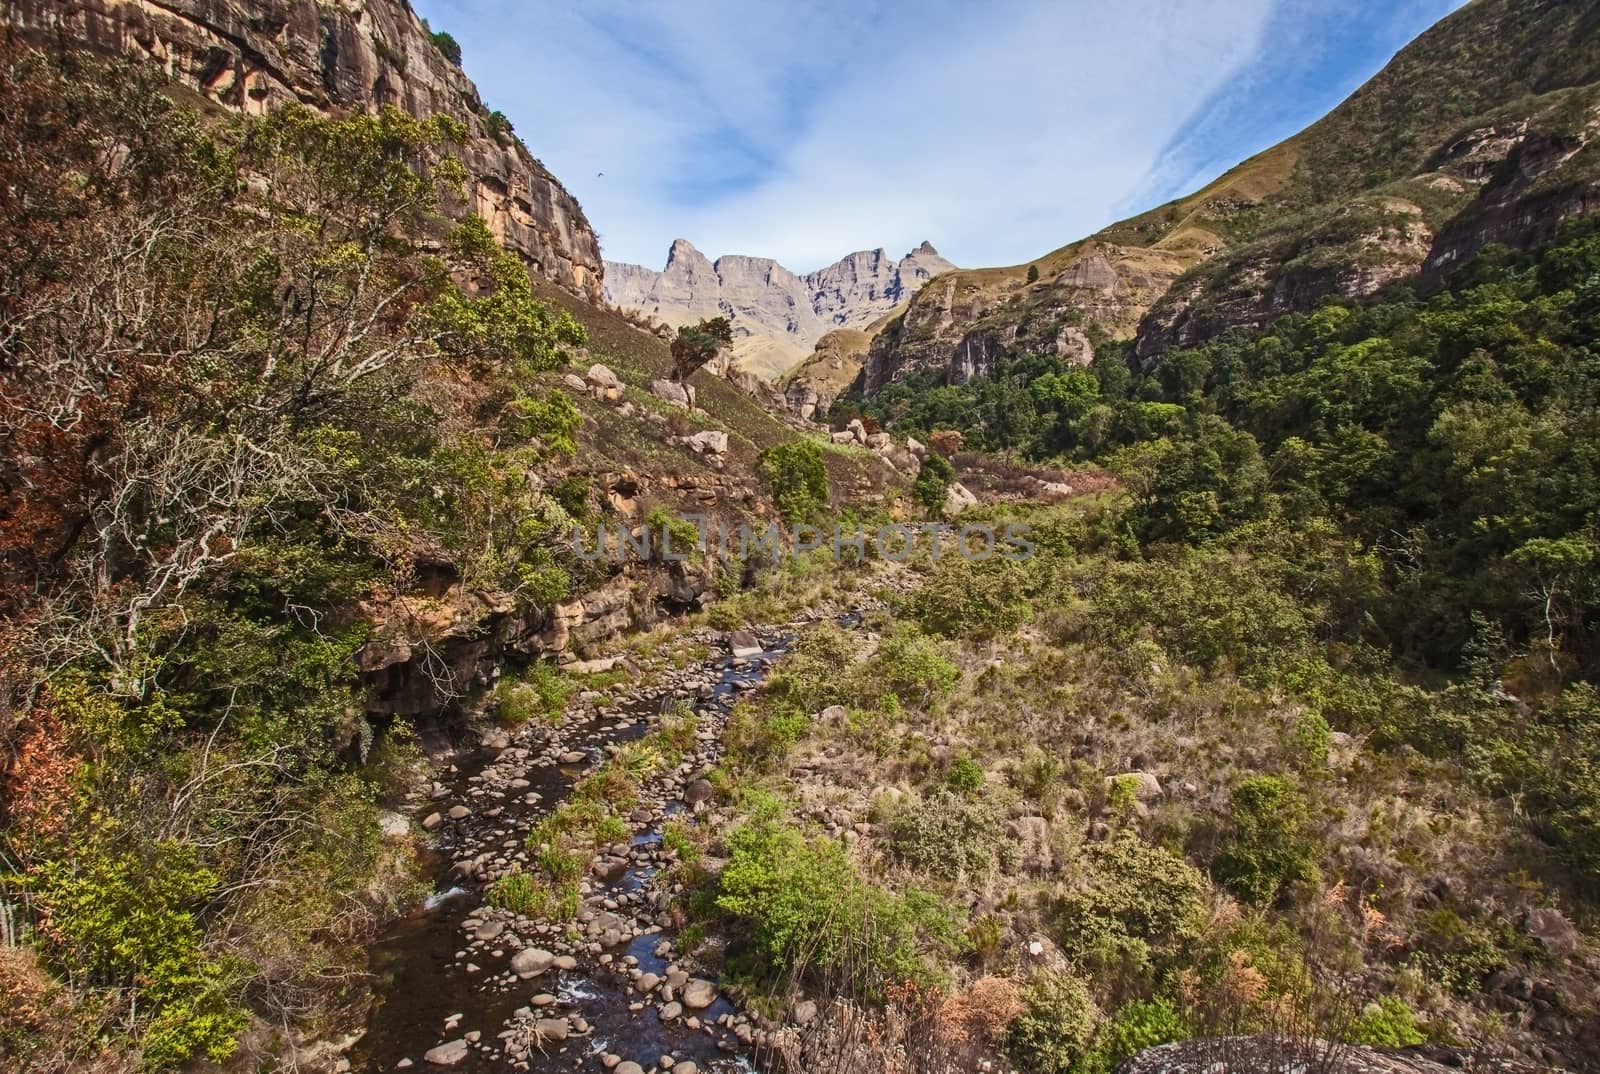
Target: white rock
[
  {"x": 448, "y": 1054},
  {"x": 602, "y": 377}
]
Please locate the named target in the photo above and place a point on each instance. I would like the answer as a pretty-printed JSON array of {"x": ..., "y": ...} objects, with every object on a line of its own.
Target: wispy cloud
[{"x": 804, "y": 131}]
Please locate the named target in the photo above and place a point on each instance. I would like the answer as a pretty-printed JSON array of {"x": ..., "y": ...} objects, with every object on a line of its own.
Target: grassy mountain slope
[{"x": 1492, "y": 97}]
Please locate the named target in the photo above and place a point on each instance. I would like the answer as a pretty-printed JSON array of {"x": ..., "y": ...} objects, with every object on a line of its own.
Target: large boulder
[
  {"x": 958, "y": 499},
  {"x": 672, "y": 392},
  {"x": 600, "y": 376},
  {"x": 712, "y": 441},
  {"x": 699, "y": 994},
  {"x": 743, "y": 644}
]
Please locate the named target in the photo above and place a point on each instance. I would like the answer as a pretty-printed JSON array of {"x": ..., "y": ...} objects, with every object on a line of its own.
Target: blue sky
[{"x": 1000, "y": 130}]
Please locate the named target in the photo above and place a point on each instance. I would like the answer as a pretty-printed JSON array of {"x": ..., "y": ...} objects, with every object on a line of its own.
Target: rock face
[
  {"x": 338, "y": 57},
  {"x": 777, "y": 316}
]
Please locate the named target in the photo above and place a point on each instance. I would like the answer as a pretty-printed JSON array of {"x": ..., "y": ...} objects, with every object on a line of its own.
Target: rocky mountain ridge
[
  {"x": 360, "y": 55},
  {"x": 1482, "y": 130},
  {"x": 777, "y": 315}
]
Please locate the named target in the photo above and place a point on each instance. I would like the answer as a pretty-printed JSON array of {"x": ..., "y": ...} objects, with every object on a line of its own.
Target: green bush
[
  {"x": 1133, "y": 904},
  {"x": 1141, "y": 1025},
  {"x": 965, "y": 775},
  {"x": 540, "y": 694},
  {"x": 447, "y": 45},
  {"x": 948, "y": 835},
  {"x": 1056, "y": 1027},
  {"x": 932, "y": 486},
  {"x": 1387, "y": 1023},
  {"x": 803, "y": 908},
  {"x": 965, "y": 598},
  {"x": 911, "y": 666},
  {"x": 1268, "y": 846},
  {"x": 126, "y": 914},
  {"x": 796, "y": 477}
]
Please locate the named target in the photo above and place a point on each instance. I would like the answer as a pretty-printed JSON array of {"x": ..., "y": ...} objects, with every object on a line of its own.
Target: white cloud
[{"x": 804, "y": 131}]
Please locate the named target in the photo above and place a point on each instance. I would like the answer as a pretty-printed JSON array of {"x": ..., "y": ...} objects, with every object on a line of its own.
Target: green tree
[{"x": 696, "y": 345}]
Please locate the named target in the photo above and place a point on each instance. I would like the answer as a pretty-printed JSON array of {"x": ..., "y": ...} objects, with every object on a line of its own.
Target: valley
[{"x": 329, "y": 748}]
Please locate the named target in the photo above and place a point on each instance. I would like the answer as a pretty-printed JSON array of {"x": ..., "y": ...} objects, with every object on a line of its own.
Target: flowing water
[{"x": 439, "y": 981}]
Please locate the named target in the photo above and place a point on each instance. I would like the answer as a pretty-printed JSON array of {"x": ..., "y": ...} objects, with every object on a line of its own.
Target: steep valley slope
[{"x": 1482, "y": 130}]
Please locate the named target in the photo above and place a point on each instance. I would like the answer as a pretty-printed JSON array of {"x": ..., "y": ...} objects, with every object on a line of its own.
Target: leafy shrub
[
  {"x": 1056, "y": 1027},
  {"x": 1268, "y": 847},
  {"x": 965, "y": 598},
  {"x": 1138, "y": 1026},
  {"x": 948, "y": 834},
  {"x": 796, "y": 477},
  {"x": 499, "y": 126},
  {"x": 126, "y": 921},
  {"x": 759, "y": 734},
  {"x": 1133, "y": 903},
  {"x": 803, "y": 908},
  {"x": 911, "y": 666},
  {"x": 965, "y": 775},
  {"x": 541, "y": 694},
  {"x": 1387, "y": 1023},
  {"x": 932, "y": 486}
]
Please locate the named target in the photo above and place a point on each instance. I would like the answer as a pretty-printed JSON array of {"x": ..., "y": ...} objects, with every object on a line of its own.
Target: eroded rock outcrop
[
  {"x": 777, "y": 316},
  {"x": 333, "y": 57}
]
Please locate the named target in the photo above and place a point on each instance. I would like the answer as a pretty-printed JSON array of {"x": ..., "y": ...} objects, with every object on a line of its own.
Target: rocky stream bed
[{"x": 467, "y": 986}]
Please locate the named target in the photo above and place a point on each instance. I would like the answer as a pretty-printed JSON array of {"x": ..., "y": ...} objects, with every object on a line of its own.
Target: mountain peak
[{"x": 925, "y": 248}]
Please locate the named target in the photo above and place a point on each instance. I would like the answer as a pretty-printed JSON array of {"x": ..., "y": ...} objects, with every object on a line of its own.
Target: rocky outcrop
[
  {"x": 777, "y": 316},
  {"x": 337, "y": 57},
  {"x": 965, "y": 324}
]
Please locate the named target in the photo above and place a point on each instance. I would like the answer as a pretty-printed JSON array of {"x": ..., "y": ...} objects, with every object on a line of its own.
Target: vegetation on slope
[{"x": 222, "y": 401}]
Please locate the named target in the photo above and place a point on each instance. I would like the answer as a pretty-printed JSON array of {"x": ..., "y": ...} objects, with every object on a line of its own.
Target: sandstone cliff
[
  {"x": 360, "y": 54},
  {"x": 1483, "y": 130},
  {"x": 777, "y": 316}
]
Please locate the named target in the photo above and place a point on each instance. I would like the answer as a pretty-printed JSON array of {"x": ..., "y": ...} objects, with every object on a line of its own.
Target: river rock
[
  {"x": 805, "y": 1012},
  {"x": 552, "y": 1028},
  {"x": 628, "y": 1066},
  {"x": 490, "y": 930},
  {"x": 531, "y": 962},
  {"x": 671, "y": 1011},
  {"x": 700, "y": 790},
  {"x": 431, "y": 821},
  {"x": 699, "y": 994},
  {"x": 447, "y": 1055},
  {"x": 742, "y": 643}
]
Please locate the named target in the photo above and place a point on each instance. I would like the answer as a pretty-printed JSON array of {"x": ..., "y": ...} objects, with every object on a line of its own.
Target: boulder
[
  {"x": 575, "y": 382},
  {"x": 857, "y": 430},
  {"x": 880, "y": 442},
  {"x": 698, "y": 791},
  {"x": 843, "y": 437},
  {"x": 958, "y": 499},
  {"x": 393, "y": 825},
  {"x": 628, "y": 1066},
  {"x": 699, "y": 994},
  {"x": 1146, "y": 787},
  {"x": 671, "y": 1011},
  {"x": 805, "y": 1012},
  {"x": 601, "y": 377},
  {"x": 448, "y": 1054},
  {"x": 552, "y": 1028},
  {"x": 916, "y": 447},
  {"x": 531, "y": 962},
  {"x": 670, "y": 391},
  {"x": 711, "y": 441},
  {"x": 743, "y": 644}
]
